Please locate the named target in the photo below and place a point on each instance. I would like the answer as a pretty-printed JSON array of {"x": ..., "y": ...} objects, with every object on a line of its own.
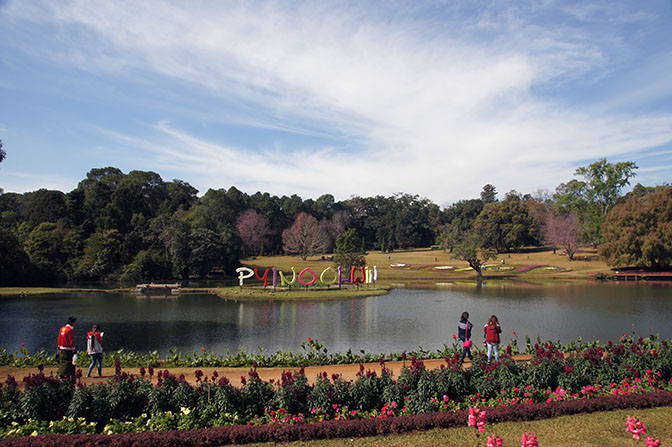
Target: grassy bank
[
  {"x": 258, "y": 293},
  {"x": 597, "y": 429}
]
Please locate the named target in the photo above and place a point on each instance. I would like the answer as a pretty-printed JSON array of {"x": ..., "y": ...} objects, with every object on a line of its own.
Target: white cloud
[{"x": 437, "y": 106}]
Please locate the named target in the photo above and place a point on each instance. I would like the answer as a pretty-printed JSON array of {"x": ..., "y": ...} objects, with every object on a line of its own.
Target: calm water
[{"x": 402, "y": 320}]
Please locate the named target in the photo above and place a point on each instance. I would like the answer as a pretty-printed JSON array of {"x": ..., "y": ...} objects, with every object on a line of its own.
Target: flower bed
[
  {"x": 346, "y": 429},
  {"x": 526, "y": 268},
  {"x": 578, "y": 378}
]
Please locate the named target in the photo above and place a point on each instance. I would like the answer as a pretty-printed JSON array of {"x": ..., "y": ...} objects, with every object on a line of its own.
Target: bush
[
  {"x": 256, "y": 395},
  {"x": 292, "y": 393},
  {"x": 45, "y": 398}
]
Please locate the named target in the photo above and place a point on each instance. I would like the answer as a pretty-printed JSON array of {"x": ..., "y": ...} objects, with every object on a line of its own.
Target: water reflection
[{"x": 402, "y": 320}]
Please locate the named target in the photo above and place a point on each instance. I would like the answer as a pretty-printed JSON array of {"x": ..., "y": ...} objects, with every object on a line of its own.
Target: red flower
[{"x": 309, "y": 339}]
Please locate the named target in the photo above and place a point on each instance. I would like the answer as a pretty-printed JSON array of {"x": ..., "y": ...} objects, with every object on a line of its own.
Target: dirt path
[{"x": 349, "y": 372}]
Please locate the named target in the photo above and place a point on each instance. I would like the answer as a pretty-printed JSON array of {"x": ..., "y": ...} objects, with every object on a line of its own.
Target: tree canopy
[
  {"x": 137, "y": 226},
  {"x": 638, "y": 232}
]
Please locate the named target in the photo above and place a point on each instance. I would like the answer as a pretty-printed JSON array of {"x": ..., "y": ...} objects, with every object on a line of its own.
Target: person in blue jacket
[{"x": 464, "y": 333}]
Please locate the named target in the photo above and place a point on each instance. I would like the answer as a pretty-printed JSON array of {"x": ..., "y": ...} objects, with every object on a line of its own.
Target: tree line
[{"x": 136, "y": 226}]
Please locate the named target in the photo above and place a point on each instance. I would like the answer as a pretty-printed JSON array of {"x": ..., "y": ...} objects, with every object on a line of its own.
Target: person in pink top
[
  {"x": 94, "y": 347},
  {"x": 491, "y": 333}
]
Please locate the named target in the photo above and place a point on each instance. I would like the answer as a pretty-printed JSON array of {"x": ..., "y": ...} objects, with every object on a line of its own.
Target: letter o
[
  {"x": 333, "y": 281},
  {"x": 307, "y": 270}
]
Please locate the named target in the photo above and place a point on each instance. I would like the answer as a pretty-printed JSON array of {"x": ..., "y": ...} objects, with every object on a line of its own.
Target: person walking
[
  {"x": 491, "y": 333},
  {"x": 464, "y": 333},
  {"x": 94, "y": 347},
  {"x": 66, "y": 349}
]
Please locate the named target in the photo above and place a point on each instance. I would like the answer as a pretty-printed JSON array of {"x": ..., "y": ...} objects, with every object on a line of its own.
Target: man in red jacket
[{"x": 66, "y": 349}]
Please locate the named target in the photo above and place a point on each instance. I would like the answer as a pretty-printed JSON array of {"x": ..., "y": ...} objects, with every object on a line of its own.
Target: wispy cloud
[{"x": 433, "y": 104}]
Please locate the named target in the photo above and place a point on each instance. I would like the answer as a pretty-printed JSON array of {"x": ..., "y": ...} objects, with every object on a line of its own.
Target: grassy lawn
[
  {"x": 597, "y": 429},
  {"x": 27, "y": 291},
  {"x": 428, "y": 259}
]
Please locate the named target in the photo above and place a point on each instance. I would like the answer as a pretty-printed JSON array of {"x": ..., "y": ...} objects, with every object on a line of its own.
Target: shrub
[
  {"x": 256, "y": 395},
  {"x": 292, "y": 393},
  {"x": 228, "y": 399},
  {"x": 45, "y": 398}
]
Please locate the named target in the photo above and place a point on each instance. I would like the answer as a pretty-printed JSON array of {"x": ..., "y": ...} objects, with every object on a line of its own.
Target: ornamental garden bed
[{"x": 623, "y": 374}]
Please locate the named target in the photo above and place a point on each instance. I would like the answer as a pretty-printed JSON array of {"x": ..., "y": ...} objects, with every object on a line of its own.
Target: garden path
[{"x": 349, "y": 372}]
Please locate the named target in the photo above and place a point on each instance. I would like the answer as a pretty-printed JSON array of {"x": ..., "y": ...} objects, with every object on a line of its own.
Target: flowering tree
[
  {"x": 563, "y": 231},
  {"x": 254, "y": 230},
  {"x": 305, "y": 237}
]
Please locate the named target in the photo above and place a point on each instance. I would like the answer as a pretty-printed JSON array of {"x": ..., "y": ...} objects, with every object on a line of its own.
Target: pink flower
[
  {"x": 650, "y": 442},
  {"x": 635, "y": 426},
  {"x": 477, "y": 419},
  {"x": 528, "y": 441},
  {"x": 494, "y": 441}
]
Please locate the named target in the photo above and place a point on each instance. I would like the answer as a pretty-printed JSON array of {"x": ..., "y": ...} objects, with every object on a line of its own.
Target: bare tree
[
  {"x": 305, "y": 237},
  {"x": 563, "y": 231},
  {"x": 335, "y": 227},
  {"x": 254, "y": 229}
]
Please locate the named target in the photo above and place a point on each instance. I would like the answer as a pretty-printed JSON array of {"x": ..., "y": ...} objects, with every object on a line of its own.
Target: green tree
[
  {"x": 506, "y": 226},
  {"x": 592, "y": 198},
  {"x": 44, "y": 206},
  {"x": 147, "y": 265},
  {"x": 638, "y": 232},
  {"x": 3, "y": 154},
  {"x": 604, "y": 182},
  {"x": 206, "y": 251},
  {"x": 102, "y": 255},
  {"x": 349, "y": 250},
  {"x": 13, "y": 259},
  {"x": 489, "y": 194},
  {"x": 47, "y": 251},
  {"x": 471, "y": 248}
]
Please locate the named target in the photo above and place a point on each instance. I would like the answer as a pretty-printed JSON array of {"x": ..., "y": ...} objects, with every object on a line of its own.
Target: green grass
[
  {"x": 28, "y": 291},
  {"x": 597, "y": 429},
  {"x": 387, "y": 275}
]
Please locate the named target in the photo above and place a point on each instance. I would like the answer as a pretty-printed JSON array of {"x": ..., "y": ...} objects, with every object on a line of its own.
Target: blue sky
[{"x": 347, "y": 98}]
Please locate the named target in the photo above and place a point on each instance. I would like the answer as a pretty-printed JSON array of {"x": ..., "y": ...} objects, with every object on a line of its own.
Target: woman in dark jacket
[{"x": 464, "y": 333}]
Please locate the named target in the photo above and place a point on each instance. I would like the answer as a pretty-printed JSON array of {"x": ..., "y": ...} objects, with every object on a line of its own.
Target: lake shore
[{"x": 408, "y": 268}]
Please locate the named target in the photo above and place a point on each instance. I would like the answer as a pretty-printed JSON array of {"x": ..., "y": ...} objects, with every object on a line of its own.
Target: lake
[{"x": 403, "y": 320}]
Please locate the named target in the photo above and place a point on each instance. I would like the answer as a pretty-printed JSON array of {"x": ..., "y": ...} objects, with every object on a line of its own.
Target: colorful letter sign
[{"x": 307, "y": 277}]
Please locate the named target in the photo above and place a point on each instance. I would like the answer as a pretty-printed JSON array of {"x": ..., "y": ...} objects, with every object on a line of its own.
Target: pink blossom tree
[
  {"x": 254, "y": 229},
  {"x": 563, "y": 231},
  {"x": 305, "y": 237}
]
